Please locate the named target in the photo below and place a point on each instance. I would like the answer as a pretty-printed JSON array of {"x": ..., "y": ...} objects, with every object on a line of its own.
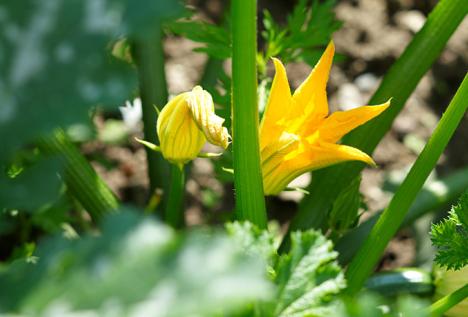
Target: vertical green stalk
[
  {"x": 174, "y": 213},
  {"x": 399, "y": 83},
  {"x": 250, "y": 202},
  {"x": 390, "y": 220},
  {"x": 149, "y": 56},
  {"x": 445, "y": 303},
  {"x": 81, "y": 179}
]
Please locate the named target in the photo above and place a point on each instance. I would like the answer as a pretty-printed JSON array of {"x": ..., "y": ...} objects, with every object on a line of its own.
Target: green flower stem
[
  {"x": 211, "y": 72},
  {"x": 399, "y": 83},
  {"x": 174, "y": 213},
  {"x": 149, "y": 56},
  {"x": 250, "y": 202},
  {"x": 392, "y": 217},
  {"x": 434, "y": 197},
  {"x": 81, "y": 179},
  {"x": 445, "y": 303}
]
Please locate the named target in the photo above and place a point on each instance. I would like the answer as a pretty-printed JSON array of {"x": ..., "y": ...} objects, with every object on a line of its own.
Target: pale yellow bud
[{"x": 185, "y": 124}]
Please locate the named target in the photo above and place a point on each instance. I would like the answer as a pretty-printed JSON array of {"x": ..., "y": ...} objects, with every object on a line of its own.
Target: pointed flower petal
[
  {"x": 316, "y": 157},
  {"x": 278, "y": 105},
  {"x": 201, "y": 105},
  {"x": 311, "y": 96},
  {"x": 340, "y": 123}
]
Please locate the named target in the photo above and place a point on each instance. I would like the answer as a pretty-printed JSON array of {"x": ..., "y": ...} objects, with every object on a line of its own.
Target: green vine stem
[
  {"x": 392, "y": 217},
  {"x": 435, "y": 196},
  {"x": 399, "y": 83},
  {"x": 149, "y": 56},
  {"x": 445, "y": 303},
  {"x": 250, "y": 202},
  {"x": 174, "y": 213},
  {"x": 81, "y": 179}
]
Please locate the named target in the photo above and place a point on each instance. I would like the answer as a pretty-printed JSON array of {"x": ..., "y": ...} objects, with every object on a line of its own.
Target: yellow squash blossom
[
  {"x": 186, "y": 123},
  {"x": 296, "y": 133}
]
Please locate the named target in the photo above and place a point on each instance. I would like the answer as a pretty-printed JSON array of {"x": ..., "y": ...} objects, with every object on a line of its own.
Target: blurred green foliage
[
  {"x": 23, "y": 187},
  {"x": 371, "y": 305},
  {"x": 134, "y": 267},
  {"x": 56, "y": 67}
]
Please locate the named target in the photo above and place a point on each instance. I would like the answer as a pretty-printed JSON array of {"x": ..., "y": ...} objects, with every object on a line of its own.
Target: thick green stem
[
  {"x": 445, "y": 303},
  {"x": 435, "y": 196},
  {"x": 149, "y": 55},
  {"x": 250, "y": 202},
  {"x": 399, "y": 83},
  {"x": 81, "y": 179},
  {"x": 391, "y": 219},
  {"x": 174, "y": 214}
]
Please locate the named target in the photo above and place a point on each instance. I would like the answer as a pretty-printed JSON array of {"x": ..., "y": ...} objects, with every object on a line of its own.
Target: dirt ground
[{"x": 374, "y": 34}]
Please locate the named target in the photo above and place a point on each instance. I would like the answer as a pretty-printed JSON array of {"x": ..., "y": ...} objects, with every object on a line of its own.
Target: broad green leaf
[
  {"x": 135, "y": 267},
  {"x": 255, "y": 241},
  {"x": 308, "y": 277}
]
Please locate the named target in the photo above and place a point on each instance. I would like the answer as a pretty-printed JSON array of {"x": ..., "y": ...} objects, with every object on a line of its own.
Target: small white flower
[{"x": 132, "y": 114}]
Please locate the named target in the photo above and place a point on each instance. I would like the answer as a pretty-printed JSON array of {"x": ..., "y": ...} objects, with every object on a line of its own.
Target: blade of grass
[
  {"x": 399, "y": 83},
  {"x": 435, "y": 196},
  {"x": 250, "y": 202},
  {"x": 390, "y": 220},
  {"x": 445, "y": 303},
  {"x": 79, "y": 176},
  {"x": 149, "y": 56}
]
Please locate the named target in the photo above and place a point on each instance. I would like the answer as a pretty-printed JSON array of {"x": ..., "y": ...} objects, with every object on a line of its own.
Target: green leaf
[
  {"x": 56, "y": 63},
  {"x": 216, "y": 40},
  {"x": 142, "y": 17},
  {"x": 450, "y": 237},
  {"x": 308, "y": 277},
  {"x": 55, "y": 66},
  {"x": 255, "y": 241},
  {"x": 309, "y": 28},
  {"x": 135, "y": 267},
  {"x": 345, "y": 209},
  {"x": 461, "y": 209},
  {"x": 28, "y": 189}
]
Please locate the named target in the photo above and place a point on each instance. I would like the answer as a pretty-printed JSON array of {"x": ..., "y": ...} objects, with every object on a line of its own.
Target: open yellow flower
[
  {"x": 186, "y": 123},
  {"x": 296, "y": 133}
]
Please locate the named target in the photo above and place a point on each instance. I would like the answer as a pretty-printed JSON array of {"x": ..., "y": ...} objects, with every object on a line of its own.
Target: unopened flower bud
[{"x": 186, "y": 123}]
